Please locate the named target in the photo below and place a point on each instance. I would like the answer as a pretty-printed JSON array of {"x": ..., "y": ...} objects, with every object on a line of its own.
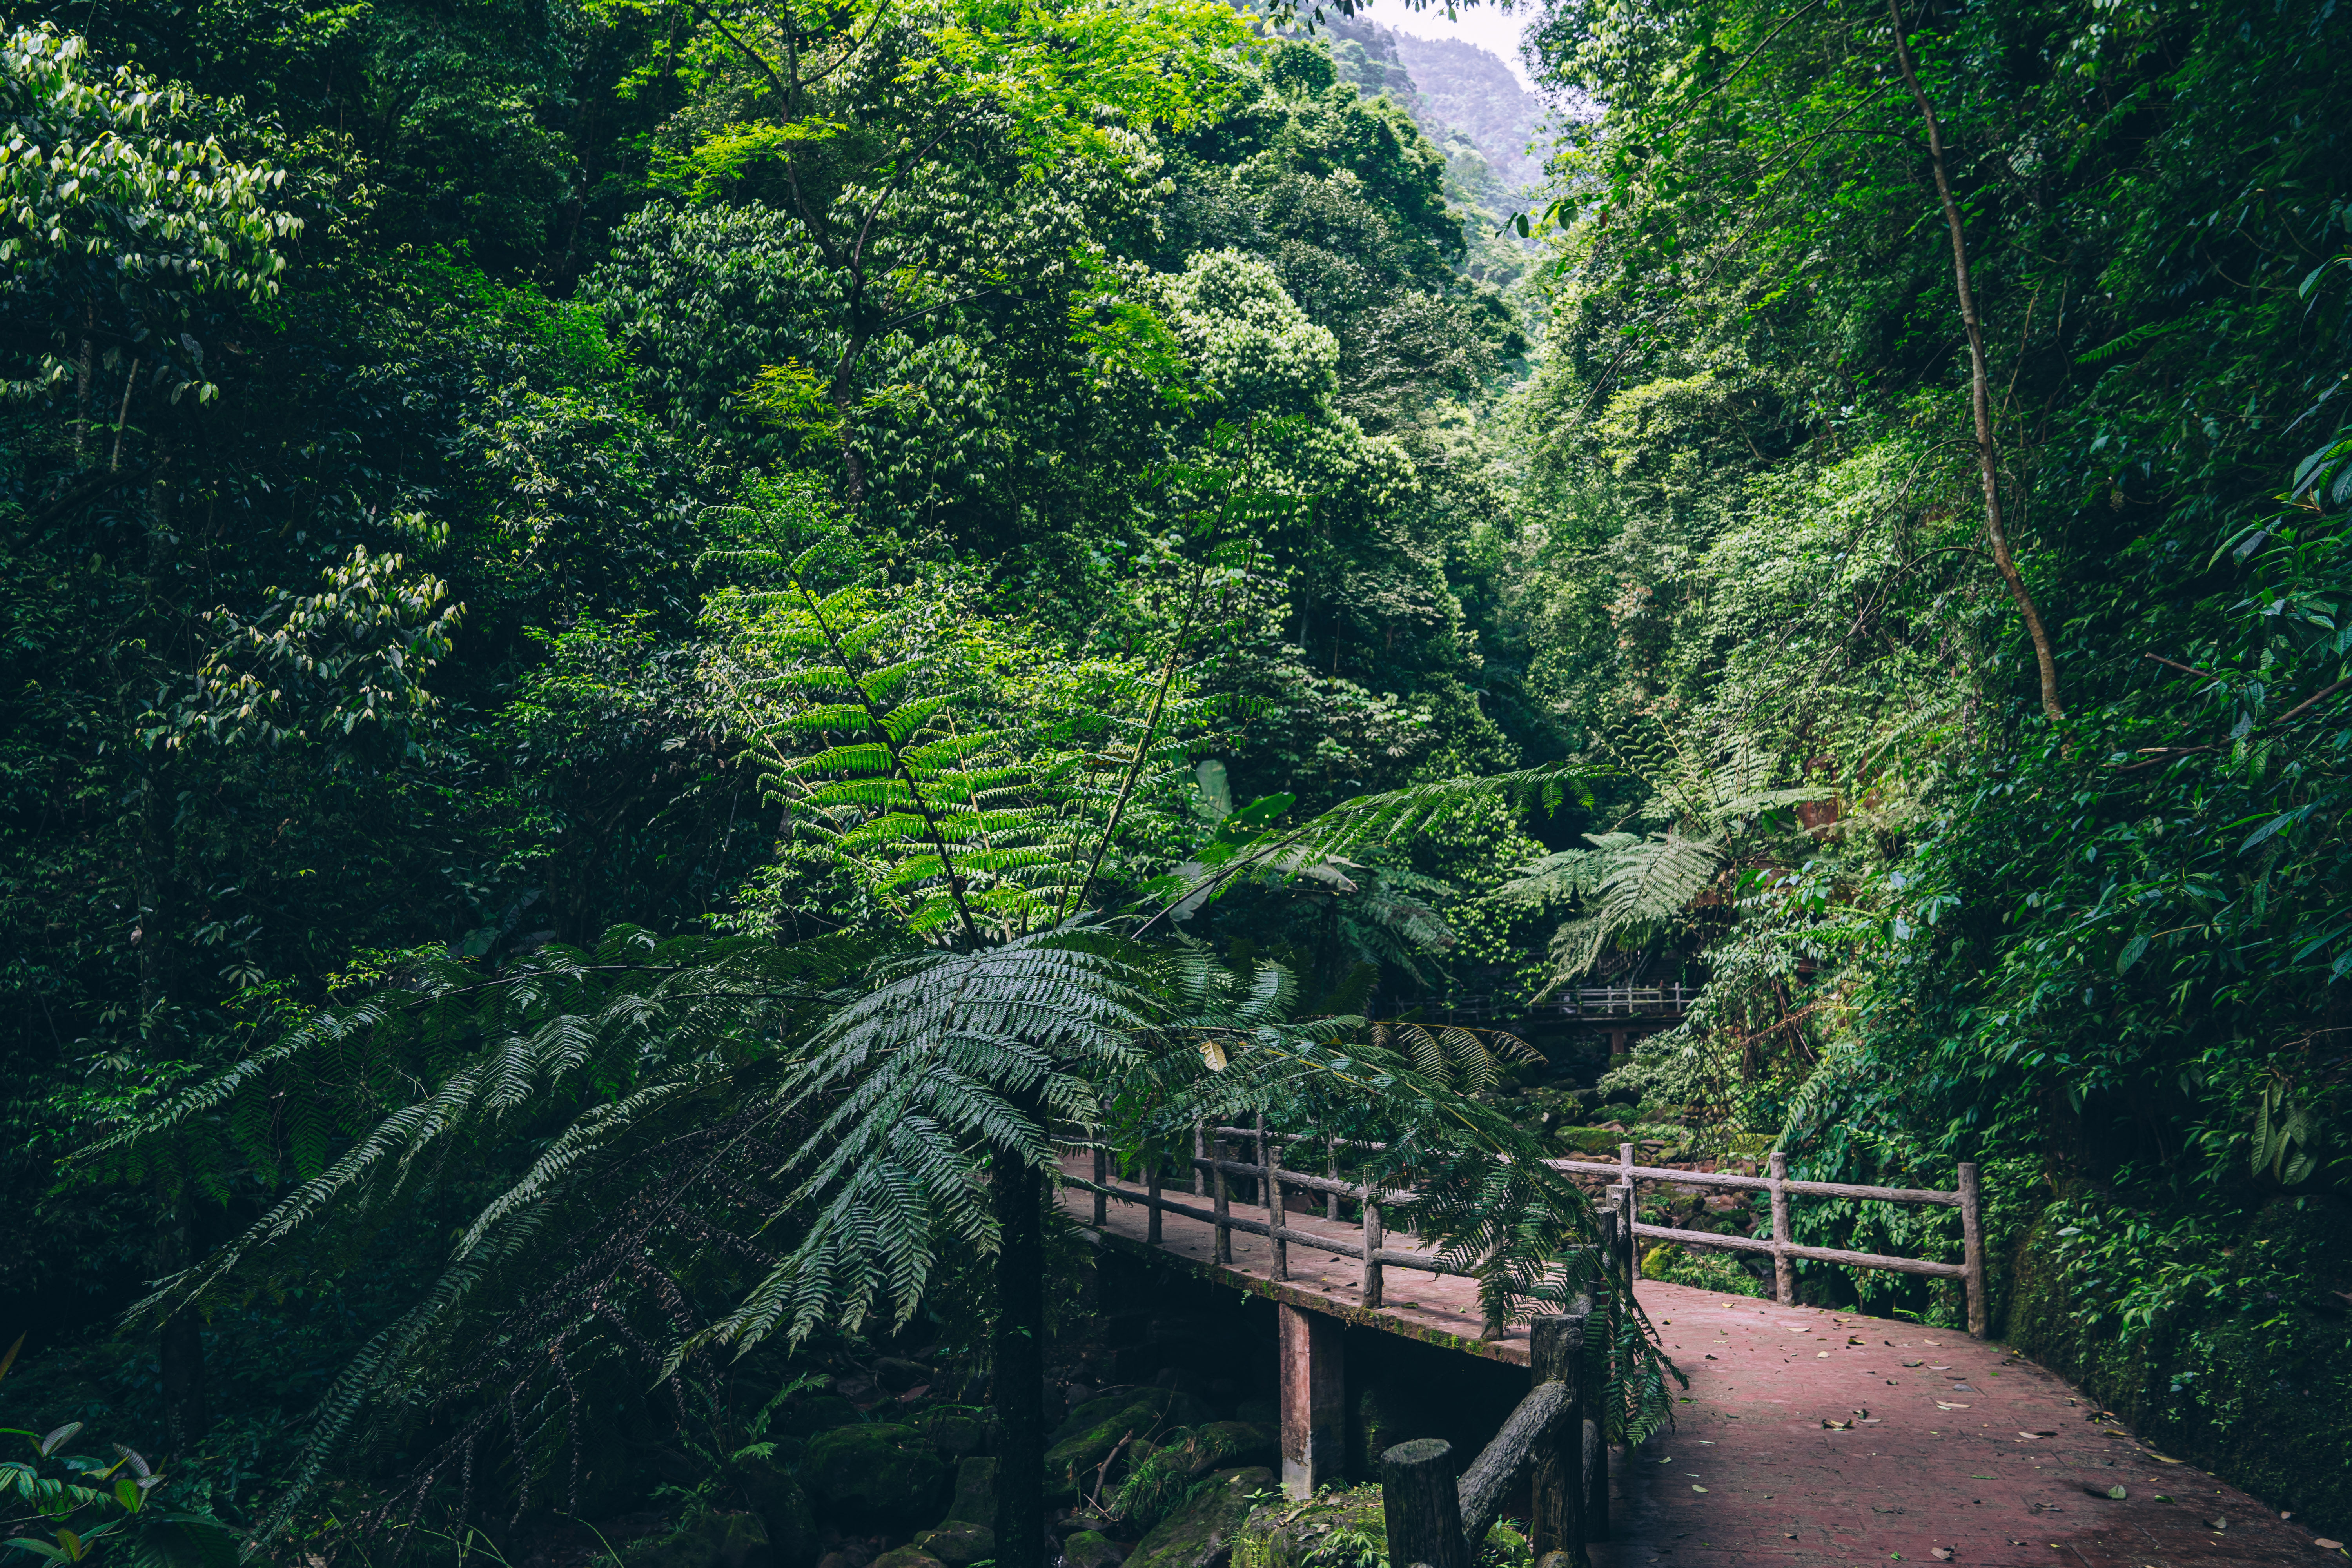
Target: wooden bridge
[{"x": 1806, "y": 1436}]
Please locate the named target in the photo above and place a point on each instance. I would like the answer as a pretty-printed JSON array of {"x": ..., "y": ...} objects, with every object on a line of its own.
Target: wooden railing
[
  {"x": 1585, "y": 1002},
  {"x": 1437, "y": 1521},
  {"x": 1967, "y": 1198},
  {"x": 1213, "y": 1149}
]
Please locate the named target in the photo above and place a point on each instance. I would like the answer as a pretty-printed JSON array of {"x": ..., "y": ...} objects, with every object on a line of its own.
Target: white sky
[{"x": 1490, "y": 29}]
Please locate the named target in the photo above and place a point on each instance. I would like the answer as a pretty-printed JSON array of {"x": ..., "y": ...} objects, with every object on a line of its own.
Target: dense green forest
[{"x": 647, "y": 642}]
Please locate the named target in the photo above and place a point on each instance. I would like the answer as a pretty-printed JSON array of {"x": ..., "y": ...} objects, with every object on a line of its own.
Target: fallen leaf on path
[
  {"x": 1697, "y": 1487},
  {"x": 1941, "y": 1554},
  {"x": 1915, "y": 1364},
  {"x": 2117, "y": 1493},
  {"x": 2218, "y": 1523},
  {"x": 2322, "y": 1543},
  {"x": 1942, "y": 1405},
  {"x": 1821, "y": 1356},
  {"x": 2161, "y": 1498},
  {"x": 2029, "y": 1435}
]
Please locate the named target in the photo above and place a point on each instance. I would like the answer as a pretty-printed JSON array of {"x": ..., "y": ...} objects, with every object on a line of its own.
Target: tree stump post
[
  {"x": 1422, "y": 1506},
  {"x": 1556, "y": 1354}
]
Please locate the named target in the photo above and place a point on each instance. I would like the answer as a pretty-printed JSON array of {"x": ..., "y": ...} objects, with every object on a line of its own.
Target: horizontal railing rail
[{"x": 1784, "y": 1251}]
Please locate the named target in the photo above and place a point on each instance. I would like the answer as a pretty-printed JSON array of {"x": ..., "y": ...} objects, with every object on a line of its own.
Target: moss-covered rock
[
  {"x": 707, "y": 1538},
  {"x": 975, "y": 1492},
  {"x": 1200, "y": 1533},
  {"x": 906, "y": 1557},
  {"x": 878, "y": 1475},
  {"x": 959, "y": 1542},
  {"x": 1335, "y": 1527},
  {"x": 1079, "y": 1451},
  {"x": 818, "y": 1412},
  {"x": 1344, "y": 1529},
  {"x": 1089, "y": 1549},
  {"x": 1167, "y": 1406},
  {"x": 1159, "y": 1478},
  {"x": 954, "y": 1433},
  {"x": 782, "y": 1506}
]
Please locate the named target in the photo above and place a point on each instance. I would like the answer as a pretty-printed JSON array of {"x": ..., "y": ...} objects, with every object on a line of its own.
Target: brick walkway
[{"x": 1958, "y": 1452}]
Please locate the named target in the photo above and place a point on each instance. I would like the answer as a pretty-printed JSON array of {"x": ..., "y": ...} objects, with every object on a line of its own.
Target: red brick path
[{"x": 1946, "y": 1459}]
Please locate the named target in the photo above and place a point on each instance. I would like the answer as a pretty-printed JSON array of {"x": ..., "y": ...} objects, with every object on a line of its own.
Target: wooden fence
[
  {"x": 1970, "y": 1272},
  {"x": 1212, "y": 1159}
]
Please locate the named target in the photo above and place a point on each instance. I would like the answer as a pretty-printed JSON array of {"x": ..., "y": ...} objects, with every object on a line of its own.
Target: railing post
[
  {"x": 1225, "y": 1247},
  {"x": 1259, "y": 1157},
  {"x": 1491, "y": 1326},
  {"x": 1151, "y": 1191},
  {"x": 1102, "y": 1179},
  {"x": 1784, "y": 1268},
  {"x": 1420, "y": 1505},
  {"x": 1972, "y": 1253},
  {"x": 1630, "y": 1249},
  {"x": 1200, "y": 1152},
  {"x": 1270, "y": 1166},
  {"x": 1593, "y": 1455},
  {"x": 1331, "y": 1172},
  {"x": 1374, "y": 1240},
  {"x": 1556, "y": 1354}
]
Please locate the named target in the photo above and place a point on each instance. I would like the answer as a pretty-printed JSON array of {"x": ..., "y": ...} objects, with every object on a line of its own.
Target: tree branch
[{"x": 1980, "y": 385}]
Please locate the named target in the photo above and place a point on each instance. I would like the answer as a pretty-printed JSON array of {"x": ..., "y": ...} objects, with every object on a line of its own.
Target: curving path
[{"x": 1957, "y": 1452}]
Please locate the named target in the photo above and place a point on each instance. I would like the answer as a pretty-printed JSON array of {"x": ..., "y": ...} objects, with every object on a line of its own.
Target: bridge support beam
[{"x": 1314, "y": 1400}]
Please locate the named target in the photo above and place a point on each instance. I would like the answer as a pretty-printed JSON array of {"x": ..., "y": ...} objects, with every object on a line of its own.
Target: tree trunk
[
  {"x": 180, "y": 1347},
  {"x": 1979, "y": 386},
  {"x": 1018, "y": 1359}
]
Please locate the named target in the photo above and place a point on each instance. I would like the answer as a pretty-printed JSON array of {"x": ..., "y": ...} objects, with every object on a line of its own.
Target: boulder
[
  {"x": 952, "y": 1432},
  {"x": 1200, "y": 1533},
  {"x": 908, "y": 1557},
  {"x": 879, "y": 1474},
  {"x": 1074, "y": 1461},
  {"x": 1263, "y": 1412},
  {"x": 1282, "y": 1534},
  {"x": 782, "y": 1506},
  {"x": 975, "y": 1492},
  {"x": 1346, "y": 1527},
  {"x": 898, "y": 1375},
  {"x": 1089, "y": 1549},
  {"x": 1167, "y": 1407},
  {"x": 1158, "y": 1480},
  {"x": 959, "y": 1542},
  {"x": 710, "y": 1539},
  {"x": 818, "y": 1412}
]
